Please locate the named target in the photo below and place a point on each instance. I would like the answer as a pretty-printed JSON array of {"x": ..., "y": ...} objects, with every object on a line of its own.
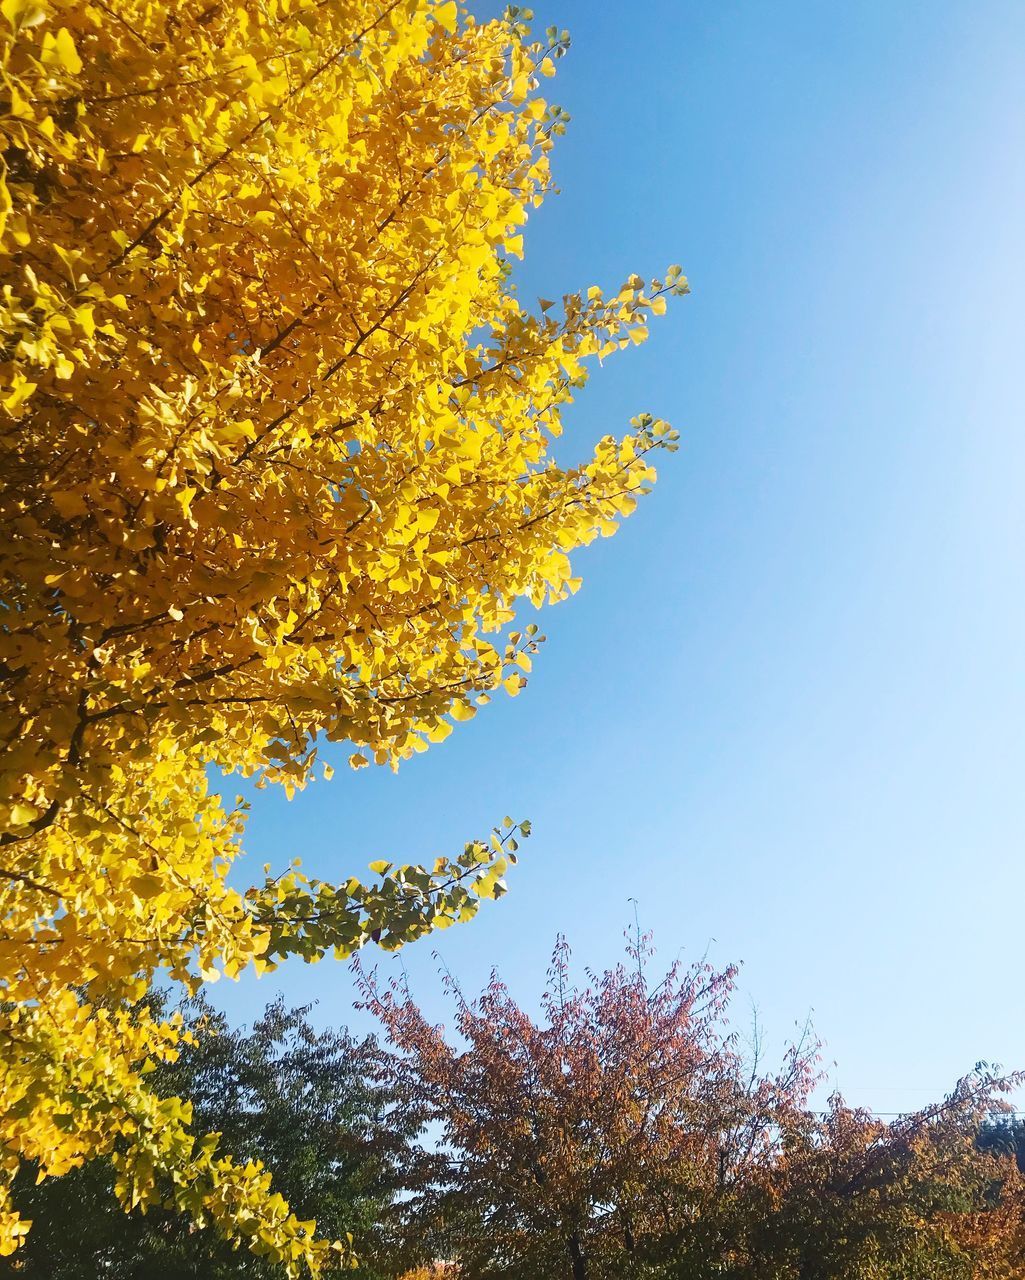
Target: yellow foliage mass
[{"x": 276, "y": 438}]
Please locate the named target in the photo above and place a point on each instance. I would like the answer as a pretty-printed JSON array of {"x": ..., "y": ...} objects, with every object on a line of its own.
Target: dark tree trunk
[{"x": 577, "y": 1258}]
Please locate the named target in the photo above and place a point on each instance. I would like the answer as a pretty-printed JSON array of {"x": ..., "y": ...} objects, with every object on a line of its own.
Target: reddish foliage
[
  {"x": 595, "y": 1132},
  {"x": 625, "y": 1134}
]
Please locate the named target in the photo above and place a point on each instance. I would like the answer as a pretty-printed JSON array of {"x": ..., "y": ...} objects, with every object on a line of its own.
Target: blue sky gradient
[{"x": 785, "y": 712}]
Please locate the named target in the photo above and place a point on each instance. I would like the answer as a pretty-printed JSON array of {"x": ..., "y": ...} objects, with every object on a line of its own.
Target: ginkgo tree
[{"x": 275, "y": 443}]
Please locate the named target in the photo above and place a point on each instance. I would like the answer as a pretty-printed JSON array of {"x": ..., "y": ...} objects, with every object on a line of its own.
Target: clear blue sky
[{"x": 786, "y": 712}]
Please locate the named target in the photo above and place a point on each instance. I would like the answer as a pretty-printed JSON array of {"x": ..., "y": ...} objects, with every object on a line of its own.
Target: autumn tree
[
  {"x": 847, "y": 1194},
  {"x": 627, "y": 1133},
  {"x": 275, "y": 445},
  {"x": 580, "y": 1144}
]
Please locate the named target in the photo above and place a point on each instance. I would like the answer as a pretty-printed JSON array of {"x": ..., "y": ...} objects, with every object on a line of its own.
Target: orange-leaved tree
[
  {"x": 626, "y": 1133},
  {"x": 275, "y": 442},
  {"x": 583, "y": 1143}
]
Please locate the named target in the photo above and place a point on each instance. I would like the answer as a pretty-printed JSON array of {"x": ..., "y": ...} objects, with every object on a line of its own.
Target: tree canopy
[
  {"x": 306, "y": 1102},
  {"x": 276, "y": 441},
  {"x": 626, "y": 1133}
]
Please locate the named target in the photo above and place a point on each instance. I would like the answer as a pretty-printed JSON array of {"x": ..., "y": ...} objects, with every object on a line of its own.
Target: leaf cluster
[
  {"x": 626, "y": 1133},
  {"x": 276, "y": 442}
]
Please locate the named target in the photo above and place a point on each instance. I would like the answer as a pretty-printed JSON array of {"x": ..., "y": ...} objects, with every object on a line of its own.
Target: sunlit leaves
[{"x": 276, "y": 434}]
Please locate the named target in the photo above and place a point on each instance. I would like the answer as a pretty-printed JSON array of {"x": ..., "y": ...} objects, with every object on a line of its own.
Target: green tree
[
  {"x": 305, "y": 1102},
  {"x": 1004, "y": 1135}
]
